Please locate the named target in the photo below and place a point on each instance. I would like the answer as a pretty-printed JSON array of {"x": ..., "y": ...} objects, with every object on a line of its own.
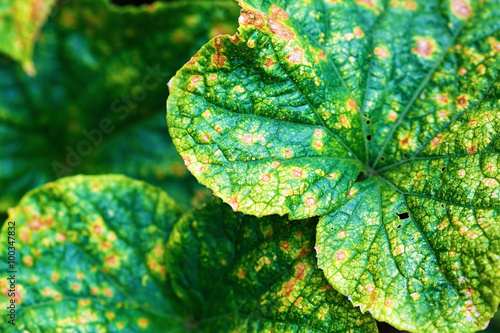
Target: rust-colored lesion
[{"x": 257, "y": 19}]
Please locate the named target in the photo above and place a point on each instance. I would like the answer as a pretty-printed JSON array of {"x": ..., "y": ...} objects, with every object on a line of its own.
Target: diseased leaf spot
[
  {"x": 297, "y": 172},
  {"x": 269, "y": 62},
  {"x": 340, "y": 255},
  {"x": 381, "y": 52},
  {"x": 462, "y": 101},
  {"x": 266, "y": 178},
  {"x": 349, "y": 36},
  {"x": 296, "y": 56},
  {"x": 219, "y": 60},
  {"x": 388, "y": 302},
  {"x": 285, "y": 245},
  {"x": 288, "y": 153},
  {"x": 233, "y": 202},
  {"x": 461, "y": 172},
  {"x": 318, "y": 133},
  {"x": 490, "y": 182},
  {"x": 435, "y": 142},
  {"x": 247, "y": 138},
  {"x": 358, "y": 32},
  {"x": 425, "y": 47},
  {"x": 351, "y": 105},
  {"x": 403, "y": 216},
  {"x": 461, "y": 8},
  {"x": 368, "y": 3},
  {"x": 411, "y": 5},
  {"x": 241, "y": 273},
  {"x": 462, "y": 71},
  {"x": 442, "y": 98},
  {"x": 393, "y": 116},
  {"x": 345, "y": 122},
  {"x": 281, "y": 30},
  {"x": 310, "y": 201},
  {"x": 278, "y": 14},
  {"x": 342, "y": 234},
  {"x": 471, "y": 149}
]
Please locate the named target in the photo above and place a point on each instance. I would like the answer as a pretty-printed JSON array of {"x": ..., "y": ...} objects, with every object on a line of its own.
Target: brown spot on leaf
[
  {"x": 296, "y": 56},
  {"x": 192, "y": 61},
  {"x": 297, "y": 173},
  {"x": 410, "y": 5},
  {"x": 269, "y": 62},
  {"x": 278, "y": 14},
  {"x": 404, "y": 141},
  {"x": 435, "y": 142},
  {"x": 219, "y": 60},
  {"x": 249, "y": 17},
  {"x": 265, "y": 178},
  {"x": 442, "y": 98},
  {"x": 303, "y": 251},
  {"x": 340, "y": 255},
  {"x": 424, "y": 47},
  {"x": 471, "y": 149},
  {"x": 280, "y": 30},
  {"x": 235, "y": 38},
  {"x": 461, "y": 8},
  {"x": 368, "y": 3},
  {"x": 381, "y": 52},
  {"x": 233, "y": 202},
  {"x": 462, "y": 101}
]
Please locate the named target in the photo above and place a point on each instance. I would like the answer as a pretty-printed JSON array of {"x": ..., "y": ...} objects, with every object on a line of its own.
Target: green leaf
[
  {"x": 237, "y": 273},
  {"x": 100, "y": 86},
  {"x": 90, "y": 257},
  {"x": 382, "y": 117},
  {"x": 20, "y": 23}
]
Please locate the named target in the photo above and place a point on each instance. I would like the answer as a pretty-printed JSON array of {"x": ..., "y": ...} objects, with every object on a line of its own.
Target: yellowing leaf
[
  {"x": 382, "y": 117},
  {"x": 90, "y": 257},
  {"x": 237, "y": 273}
]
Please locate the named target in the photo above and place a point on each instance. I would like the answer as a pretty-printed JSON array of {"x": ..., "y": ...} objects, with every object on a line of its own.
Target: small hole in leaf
[
  {"x": 403, "y": 216},
  {"x": 442, "y": 205},
  {"x": 369, "y": 137},
  {"x": 399, "y": 226},
  {"x": 364, "y": 115},
  {"x": 443, "y": 168},
  {"x": 382, "y": 158},
  {"x": 368, "y": 122},
  {"x": 362, "y": 176},
  {"x": 405, "y": 155}
]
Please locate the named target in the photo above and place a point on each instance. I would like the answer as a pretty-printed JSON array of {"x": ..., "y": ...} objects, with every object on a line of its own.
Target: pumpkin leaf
[
  {"x": 20, "y": 23},
  {"x": 237, "y": 273},
  {"x": 382, "y": 117},
  {"x": 90, "y": 257},
  {"x": 100, "y": 84}
]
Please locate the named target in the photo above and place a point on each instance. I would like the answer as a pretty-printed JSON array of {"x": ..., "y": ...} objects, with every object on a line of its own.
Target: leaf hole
[
  {"x": 405, "y": 155},
  {"x": 443, "y": 168},
  {"x": 369, "y": 137},
  {"x": 368, "y": 122},
  {"x": 399, "y": 226},
  {"x": 403, "y": 216}
]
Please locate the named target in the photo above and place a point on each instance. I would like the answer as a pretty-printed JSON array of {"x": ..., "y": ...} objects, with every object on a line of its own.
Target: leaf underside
[{"x": 309, "y": 96}]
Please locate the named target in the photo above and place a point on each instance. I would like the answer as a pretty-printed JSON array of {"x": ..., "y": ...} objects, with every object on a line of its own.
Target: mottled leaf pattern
[
  {"x": 20, "y": 22},
  {"x": 100, "y": 85},
  {"x": 91, "y": 258},
  {"x": 237, "y": 273},
  {"x": 402, "y": 96}
]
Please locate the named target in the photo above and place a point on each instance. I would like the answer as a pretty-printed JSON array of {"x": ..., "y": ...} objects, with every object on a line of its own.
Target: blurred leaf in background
[
  {"x": 20, "y": 22},
  {"x": 96, "y": 103}
]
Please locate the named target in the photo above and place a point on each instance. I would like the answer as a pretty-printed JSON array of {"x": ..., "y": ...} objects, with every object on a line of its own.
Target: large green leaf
[
  {"x": 20, "y": 22},
  {"x": 237, "y": 273},
  {"x": 402, "y": 97},
  {"x": 99, "y": 93},
  {"x": 90, "y": 258}
]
